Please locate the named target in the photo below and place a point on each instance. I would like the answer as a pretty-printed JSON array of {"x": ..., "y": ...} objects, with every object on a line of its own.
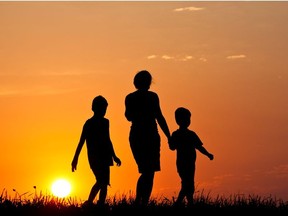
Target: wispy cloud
[
  {"x": 189, "y": 9},
  {"x": 174, "y": 58},
  {"x": 187, "y": 58},
  {"x": 167, "y": 57},
  {"x": 152, "y": 57},
  {"x": 202, "y": 59},
  {"x": 241, "y": 56}
]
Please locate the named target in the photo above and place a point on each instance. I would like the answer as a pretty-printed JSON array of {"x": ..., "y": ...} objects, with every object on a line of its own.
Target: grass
[{"x": 33, "y": 204}]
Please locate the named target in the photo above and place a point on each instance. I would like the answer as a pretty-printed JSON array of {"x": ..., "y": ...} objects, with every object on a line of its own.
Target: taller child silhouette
[
  {"x": 100, "y": 150},
  {"x": 142, "y": 109}
]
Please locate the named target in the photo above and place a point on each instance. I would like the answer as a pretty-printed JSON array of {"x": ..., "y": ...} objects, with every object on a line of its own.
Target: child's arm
[
  {"x": 114, "y": 156},
  {"x": 77, "y": 152},
  {"x": 117, "y": 160},
  {"x": 172, "y": 143},
  {"x": 205, "y": 152}
]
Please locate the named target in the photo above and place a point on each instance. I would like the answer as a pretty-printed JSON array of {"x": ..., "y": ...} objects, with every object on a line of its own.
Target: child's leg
[
  {"x": 189, "y": 197},
  {"x": 187, "y": 187},
  {"x": 94, "y": 190},
  {"x": 190, "y": 189},
  {"x": 102, "y": 194},
  {"x": 104, "y": 180},
  {"x": 99, "y": 173},
  {"x": 180, "y": 197}
]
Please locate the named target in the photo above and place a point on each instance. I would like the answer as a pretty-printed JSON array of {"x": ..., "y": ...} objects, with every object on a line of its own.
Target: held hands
[
  {"x": 171, "y": 144},
  {"x": 117, "y": 161}
]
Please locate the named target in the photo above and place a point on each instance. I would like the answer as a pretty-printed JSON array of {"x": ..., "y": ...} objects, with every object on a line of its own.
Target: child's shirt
[
  {"x": 185, "y": 142},
  {"x": 99, "y": 145}
]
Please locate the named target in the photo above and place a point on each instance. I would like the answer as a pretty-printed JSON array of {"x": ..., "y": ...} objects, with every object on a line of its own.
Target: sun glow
[{"x": 61, "y": 188}]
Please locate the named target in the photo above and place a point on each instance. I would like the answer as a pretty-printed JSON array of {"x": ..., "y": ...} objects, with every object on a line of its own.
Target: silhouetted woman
[{"x": 142, "y": 109}]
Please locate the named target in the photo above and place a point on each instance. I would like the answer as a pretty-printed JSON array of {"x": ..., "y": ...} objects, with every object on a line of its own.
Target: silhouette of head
[
  {"x": 99, "y": 105},
  {"x": 142, "y": 80},
  {"x": 182, "y": 117}
]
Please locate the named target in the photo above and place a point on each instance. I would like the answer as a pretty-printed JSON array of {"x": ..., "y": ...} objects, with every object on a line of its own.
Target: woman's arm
[
  {"x": 161, "y": 119},
  {"x": 128, "y": 112}
]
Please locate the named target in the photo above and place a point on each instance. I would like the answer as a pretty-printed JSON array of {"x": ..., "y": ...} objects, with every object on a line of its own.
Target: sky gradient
[{"x": 224, "y": 61}]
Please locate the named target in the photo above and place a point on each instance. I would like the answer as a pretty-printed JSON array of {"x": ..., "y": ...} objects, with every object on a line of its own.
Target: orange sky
[{"x": 225, "y": 61}]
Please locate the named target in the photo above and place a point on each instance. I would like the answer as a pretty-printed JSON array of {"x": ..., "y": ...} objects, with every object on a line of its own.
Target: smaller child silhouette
[
  {"x": 99, "y": 148},
  {"x": 185, "y": 142}
]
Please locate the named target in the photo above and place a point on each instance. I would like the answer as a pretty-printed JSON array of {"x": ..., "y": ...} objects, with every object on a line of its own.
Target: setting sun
[{"x": 61, "y": 188}]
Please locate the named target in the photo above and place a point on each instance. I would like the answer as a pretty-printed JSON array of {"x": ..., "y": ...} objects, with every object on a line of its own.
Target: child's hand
[
  {"x": 211, "y": 156},
  {"x": 171, "y": 146},
  {"x": 117, "y": 161},
  {"x": 74, "y": 165}
]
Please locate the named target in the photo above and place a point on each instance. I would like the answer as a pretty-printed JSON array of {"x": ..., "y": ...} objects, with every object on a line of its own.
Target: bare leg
[
  {"x": 139, "y": 190},
  {"x": 180, "y": 197},
  {"x": 148, "y": 185},
  {"x": 144, "y": 188},
  {"x": 190, "y": 199},
  {"x": 190, "y": 193},
  {"x": 102, "y": 195},
  {"x": 94, "y": 191}
]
